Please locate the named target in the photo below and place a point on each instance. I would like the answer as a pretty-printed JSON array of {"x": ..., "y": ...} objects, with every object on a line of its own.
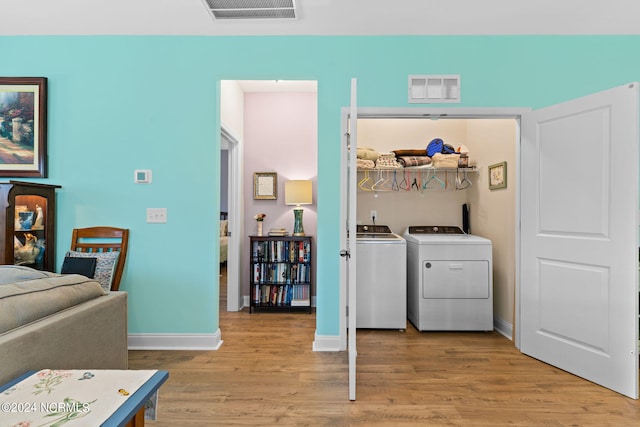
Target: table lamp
[{"x": 298, "y": 192}]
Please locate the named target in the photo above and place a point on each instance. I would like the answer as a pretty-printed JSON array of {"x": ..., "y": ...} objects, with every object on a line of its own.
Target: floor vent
[{"x": 252, "y": 9}]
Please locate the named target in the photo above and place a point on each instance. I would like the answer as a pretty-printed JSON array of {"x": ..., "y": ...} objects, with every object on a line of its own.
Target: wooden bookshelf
[{"x": 281, "y": 273}]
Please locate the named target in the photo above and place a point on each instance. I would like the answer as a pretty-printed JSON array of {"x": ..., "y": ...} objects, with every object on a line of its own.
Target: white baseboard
[
  {"x": 503, "y": 327},
  {"x": 214, "y": 341},
  {"x": 175, "y": 341},
  {"x": 326, "y": 343}
]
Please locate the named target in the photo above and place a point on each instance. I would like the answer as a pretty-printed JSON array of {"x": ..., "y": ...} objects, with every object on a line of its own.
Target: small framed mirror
[{"x": 265, "y": 185}]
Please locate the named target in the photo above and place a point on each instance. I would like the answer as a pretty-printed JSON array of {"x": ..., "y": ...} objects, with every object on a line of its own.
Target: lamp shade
[{"x": 298, "y": 192}]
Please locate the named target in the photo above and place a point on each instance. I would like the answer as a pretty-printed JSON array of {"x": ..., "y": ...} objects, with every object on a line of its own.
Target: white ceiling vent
[
  {"x": 252, "y": 9},
  {"x": 429, "y": 89}
]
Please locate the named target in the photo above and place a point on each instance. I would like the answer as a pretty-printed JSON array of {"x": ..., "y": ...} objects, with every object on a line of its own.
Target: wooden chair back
[{"x": 91, "y": 240}]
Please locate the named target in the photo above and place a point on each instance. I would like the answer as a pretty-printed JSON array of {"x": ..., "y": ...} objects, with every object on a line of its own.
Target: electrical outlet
[
  {"x": 374, "y": 216},
  {"x": 157, "y": 215}
]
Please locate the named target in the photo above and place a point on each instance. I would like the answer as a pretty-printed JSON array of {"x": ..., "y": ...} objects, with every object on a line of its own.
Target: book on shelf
[
  {"x": 278, "y": 232},
  {"x": 300, "y": 303}
]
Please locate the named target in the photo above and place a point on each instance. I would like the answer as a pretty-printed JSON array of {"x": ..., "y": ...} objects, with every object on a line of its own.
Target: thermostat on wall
[{"x": 142, "y": 176}]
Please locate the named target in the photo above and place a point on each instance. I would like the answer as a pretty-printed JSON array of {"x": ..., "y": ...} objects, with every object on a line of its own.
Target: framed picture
[
  {"x": 23, "y": 126},
  {"x": 265, "y": 185},
  {"x": 498, "y": 176}
]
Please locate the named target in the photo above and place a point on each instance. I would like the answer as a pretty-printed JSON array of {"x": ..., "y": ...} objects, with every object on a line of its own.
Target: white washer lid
[
  {"x": 379, "y": 238},
  {"x": 449, "y": 239}
]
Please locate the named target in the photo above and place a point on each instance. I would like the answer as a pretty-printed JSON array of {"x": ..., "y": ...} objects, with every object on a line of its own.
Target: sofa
[{"x": 56, "y": 321}]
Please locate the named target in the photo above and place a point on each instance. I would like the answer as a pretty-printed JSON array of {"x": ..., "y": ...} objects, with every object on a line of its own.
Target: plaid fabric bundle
[{"x": 411, "y": 161}]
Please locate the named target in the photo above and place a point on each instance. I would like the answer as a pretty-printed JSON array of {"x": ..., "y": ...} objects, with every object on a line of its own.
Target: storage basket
[{"x": 443, "y": 161}]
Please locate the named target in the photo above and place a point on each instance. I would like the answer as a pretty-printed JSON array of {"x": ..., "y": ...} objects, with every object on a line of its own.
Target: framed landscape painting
[{"x": 23, "y": 126}]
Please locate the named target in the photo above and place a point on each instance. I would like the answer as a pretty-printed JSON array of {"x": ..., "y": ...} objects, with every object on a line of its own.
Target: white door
[
  {"x": 579, "y": 237},
  {"x": 348, "y": 228}
]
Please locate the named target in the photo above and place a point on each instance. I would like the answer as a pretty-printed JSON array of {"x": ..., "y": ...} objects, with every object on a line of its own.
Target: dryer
[{"x": 449, "y": 279}]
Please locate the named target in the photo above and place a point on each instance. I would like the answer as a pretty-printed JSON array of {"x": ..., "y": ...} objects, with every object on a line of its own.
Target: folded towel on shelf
[
  {"x": 411, "y": 161},
  {"x": 410, "y": 152},
  {"x": 365, "y": 164},
  {"x": 367, "y": 153},
  {"x": 387, "y": 160}
]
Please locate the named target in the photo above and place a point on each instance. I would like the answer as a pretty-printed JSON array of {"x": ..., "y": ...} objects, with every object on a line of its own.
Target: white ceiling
[{"x": 324, "y": 17}]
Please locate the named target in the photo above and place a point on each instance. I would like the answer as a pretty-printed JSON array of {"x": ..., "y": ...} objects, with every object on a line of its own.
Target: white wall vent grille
[
  {"x": 252, "y": 9},
  {"x": 429, "y": 89}
]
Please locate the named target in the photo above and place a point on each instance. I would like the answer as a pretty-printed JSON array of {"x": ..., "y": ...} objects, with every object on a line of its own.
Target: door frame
[
  {"x": 235, "y": 300},
  {"x": 234, "y": 297},
  {"x": 448, "y": 113}
]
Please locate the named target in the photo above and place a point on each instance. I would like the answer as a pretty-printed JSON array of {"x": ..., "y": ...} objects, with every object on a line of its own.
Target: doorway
[
  {"x": 491, "y": 135},
  {"x": 285, "y": 144}
]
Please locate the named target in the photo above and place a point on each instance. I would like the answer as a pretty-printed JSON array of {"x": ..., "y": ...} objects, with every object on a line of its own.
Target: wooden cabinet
[
  {"x": 281, "y": 273},
  {"x": 27, "y": 221}
]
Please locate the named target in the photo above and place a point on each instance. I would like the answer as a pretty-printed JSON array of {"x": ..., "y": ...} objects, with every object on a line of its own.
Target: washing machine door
[{"x": 453, "y": 279}]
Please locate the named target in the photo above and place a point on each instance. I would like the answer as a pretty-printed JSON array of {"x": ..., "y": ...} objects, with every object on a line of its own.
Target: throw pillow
[
  {"x": 76, "y": 265},
  {"x": 105, "y": 265}
]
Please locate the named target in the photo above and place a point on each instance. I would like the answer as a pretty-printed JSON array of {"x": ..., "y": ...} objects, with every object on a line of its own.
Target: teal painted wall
[{"x": 122, "y": 103}]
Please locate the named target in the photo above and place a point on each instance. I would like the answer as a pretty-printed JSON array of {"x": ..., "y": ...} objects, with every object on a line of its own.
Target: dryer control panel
[{"x": 435, "y": 229}]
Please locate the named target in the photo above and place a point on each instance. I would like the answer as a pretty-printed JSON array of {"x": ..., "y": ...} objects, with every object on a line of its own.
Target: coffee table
[{"x": 129, "y": 414}]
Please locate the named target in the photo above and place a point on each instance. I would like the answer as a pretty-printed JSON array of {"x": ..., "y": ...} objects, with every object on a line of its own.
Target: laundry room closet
[{"x": 405, "y": 197}]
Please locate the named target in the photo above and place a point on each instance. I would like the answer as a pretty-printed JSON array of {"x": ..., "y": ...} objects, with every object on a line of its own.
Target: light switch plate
[{"x": 156, "y": 215}]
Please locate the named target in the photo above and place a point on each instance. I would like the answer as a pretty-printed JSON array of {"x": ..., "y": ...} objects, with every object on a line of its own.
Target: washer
[
  {"x": 381, "y": 278},
  {"x": 449, "y": 279}
]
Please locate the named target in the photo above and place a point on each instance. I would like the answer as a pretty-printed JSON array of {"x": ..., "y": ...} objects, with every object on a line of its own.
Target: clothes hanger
[
  {"x": 378, "y": 184},
  {"x": 462, "y": 184},
  {"x": 394, "y": 183},
  {"x": 466, "y": 181},
  {"x": 434, "y": 176},
  {"x": 364, "y": 180},
  {"x": 387, "y": 185},
  {"x": 405, "y": 181},
  {"x": 415, "y": 183}
]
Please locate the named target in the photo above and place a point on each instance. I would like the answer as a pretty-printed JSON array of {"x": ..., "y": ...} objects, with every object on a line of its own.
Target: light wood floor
[{"x": 266, "y": 374}]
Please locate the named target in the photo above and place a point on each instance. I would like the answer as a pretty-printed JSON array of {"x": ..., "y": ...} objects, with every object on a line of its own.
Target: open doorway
[{"x": 274, "y": 124}]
